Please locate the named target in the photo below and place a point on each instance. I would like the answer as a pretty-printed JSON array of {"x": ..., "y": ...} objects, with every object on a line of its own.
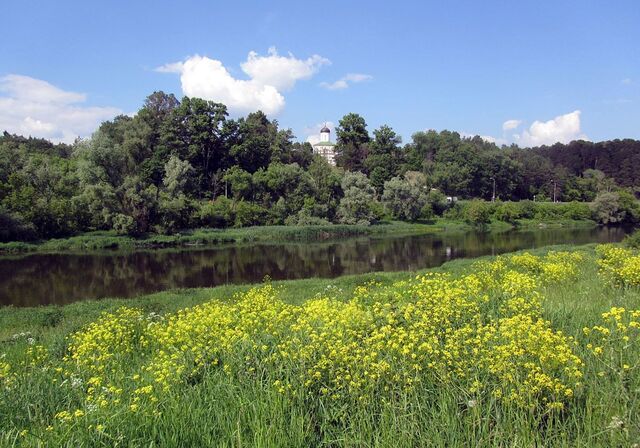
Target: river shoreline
[{"x": 101, "y": 240}]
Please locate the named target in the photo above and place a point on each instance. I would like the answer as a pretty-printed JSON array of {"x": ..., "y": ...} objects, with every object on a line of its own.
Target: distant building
[{"x": 325, "y": 147}]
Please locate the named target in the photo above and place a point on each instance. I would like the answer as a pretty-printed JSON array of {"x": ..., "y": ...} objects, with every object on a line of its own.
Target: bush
[
  {"x": 403, "y": 200},
  {"x": 305, "y": 218},
  {"x": 477, "y": 213},
  {"x": 527, "y": 209},
  {"x": 633, "y": 240},
  {"x": 438, "y": 201},
  {"x": 123, "y": 224},
  {"x": 218, "y": 214},
  {"x": 250, "y": 214},
  {"x": 13, "y": 228},
  {"x": 606, "y": 208},
  {"x": 577, "y": 210},
  {"x": 508, "y": 212},
  {"x": 426, "y": 212},
  {"x": 358, "y": 206},
  {"x": 174, "y": 214}
]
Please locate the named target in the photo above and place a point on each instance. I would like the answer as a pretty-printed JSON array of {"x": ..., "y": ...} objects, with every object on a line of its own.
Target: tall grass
[{"x": 199, "y": 237}]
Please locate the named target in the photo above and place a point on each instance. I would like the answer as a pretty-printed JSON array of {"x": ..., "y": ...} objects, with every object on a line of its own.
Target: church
[{"x": 325, "y": 147}]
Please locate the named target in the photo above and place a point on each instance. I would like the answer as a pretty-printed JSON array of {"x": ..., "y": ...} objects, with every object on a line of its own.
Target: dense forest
[{"x": 184, "y": 163}]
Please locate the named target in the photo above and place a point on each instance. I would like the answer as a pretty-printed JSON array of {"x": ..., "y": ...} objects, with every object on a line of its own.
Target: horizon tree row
[{"x": 184, "y": 163}]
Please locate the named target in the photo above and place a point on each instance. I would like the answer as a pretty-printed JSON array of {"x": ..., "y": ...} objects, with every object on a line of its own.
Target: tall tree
[
  {"x": 385, "y": 157},
  {"x": 353, "y": 140},
  {"x": 195, "y": 131}
]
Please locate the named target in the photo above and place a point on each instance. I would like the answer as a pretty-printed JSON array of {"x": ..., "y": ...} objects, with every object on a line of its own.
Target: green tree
[
  {"x": 606, "y": 208},
  {"x": 352, "y": 142},
  {"x": 385, "y": 156},
  {"x": 358, "y": 206},
  {"x": 255, "y": 141},
  {"x": 197, "y": 131},
  {"x": 402, "y": 200}
]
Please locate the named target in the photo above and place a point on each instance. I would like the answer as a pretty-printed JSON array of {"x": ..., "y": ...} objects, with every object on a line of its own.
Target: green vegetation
[
  {"x": 185, "y": 164},
  {"x": 200, "y": 237},
  {"x": 100, "y": 240},
  {"x": 536, "y": 349}
]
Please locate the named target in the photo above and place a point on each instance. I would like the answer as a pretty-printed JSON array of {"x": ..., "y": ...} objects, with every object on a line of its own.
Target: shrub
[
  {"x": 508, "y": 212},
  {"x": 250, "y": 214},
  {"x": 403, "y": 200},
  {"x": 218, "y": 214},
  {"x": 527, "y": 209},
  {"x": 577, "y": 210},
  {"x": 438, "y": 201},
  {"x": 633, "y": 240},
  {"x": 174, "y": 214},
  {"x": 358, "y": 204},
  {"x": 606, "y": 208},
  {"x": 123, "y": 224},
  {"x": 13, "y": 227},
  {"x": 477, "y": 213}
]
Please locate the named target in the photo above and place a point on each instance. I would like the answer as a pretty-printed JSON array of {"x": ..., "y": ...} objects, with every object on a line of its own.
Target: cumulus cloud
[
  {"x": 313, "y": 132},
  {"x": 269, "y": 75},
  {"x": 563, "y": 129},
  {"x": 511, "y": 124},
  {"x": 281, "y": 72},
  {"x": 33, "y": 107},
  {"x": 346, "y": 81}
]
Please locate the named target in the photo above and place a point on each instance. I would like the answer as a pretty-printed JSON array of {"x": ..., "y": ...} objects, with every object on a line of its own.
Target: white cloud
[
  {"x": 346, "y": 81},
  {"x": 563, "y": 129},
  {"x": 33, "y": 107},
  {"x": 269, "y": 75},
  {"x": 626, "y": 81},
  {"x": 313, "y": 132},
  {"x": 281, "y": 72},
  {"x": 486, "y": 138},
  {"x": 511, "y": 124}
]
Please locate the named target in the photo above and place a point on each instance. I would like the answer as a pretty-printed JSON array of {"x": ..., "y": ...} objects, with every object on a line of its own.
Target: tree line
[{"x": 185, "y": 163}]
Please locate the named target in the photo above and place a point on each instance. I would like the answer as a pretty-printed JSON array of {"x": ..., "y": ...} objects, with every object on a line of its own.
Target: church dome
[{"x": 325, "y": 129}]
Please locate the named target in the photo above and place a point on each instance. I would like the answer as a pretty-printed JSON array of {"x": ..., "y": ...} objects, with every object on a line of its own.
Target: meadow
[{"x": 535, "y": 348}]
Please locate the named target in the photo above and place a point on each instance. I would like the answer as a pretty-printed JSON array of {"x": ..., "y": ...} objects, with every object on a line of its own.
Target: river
[{"x": 41, "y": 279}]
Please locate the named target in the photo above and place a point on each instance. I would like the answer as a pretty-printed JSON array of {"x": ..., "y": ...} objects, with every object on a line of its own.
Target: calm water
[{"x": 61, "y": 278}]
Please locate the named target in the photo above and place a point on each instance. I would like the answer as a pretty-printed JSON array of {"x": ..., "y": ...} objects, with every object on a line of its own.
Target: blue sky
[{"x": 532, "y": 72}]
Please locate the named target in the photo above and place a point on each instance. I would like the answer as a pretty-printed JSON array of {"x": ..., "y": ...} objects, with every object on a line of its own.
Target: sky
[{"x": 529, "y": 72}]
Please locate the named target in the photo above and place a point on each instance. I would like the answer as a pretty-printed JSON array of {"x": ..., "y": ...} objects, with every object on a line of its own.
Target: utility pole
[
  {"x": 554, "y": 190},
  {"x": 493, "y": 196}
]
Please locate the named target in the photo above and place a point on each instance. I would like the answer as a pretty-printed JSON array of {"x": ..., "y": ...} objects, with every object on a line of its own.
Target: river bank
[
  {"x": 101, "y": 240},
  {"x": 52, "y": 319}
]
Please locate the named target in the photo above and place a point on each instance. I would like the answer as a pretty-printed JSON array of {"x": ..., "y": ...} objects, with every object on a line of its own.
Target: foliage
[
  {"x": 606, "y": 208},
  {"x": 633, "y": 240},
  {"x": 152, "y": 171},
  {"x": 358, "y": 204},
  {"x": 403, "y": 200},
  {"x": 477, "y": 213}
]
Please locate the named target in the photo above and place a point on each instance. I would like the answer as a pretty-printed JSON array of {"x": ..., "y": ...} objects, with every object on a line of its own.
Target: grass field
[{"x": 538, "y": 349}]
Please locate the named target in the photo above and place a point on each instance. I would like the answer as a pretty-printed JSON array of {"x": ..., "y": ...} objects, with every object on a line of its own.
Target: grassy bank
[
  {"x": 512, "y": 351},
  {"x": 101, "y": 240}
]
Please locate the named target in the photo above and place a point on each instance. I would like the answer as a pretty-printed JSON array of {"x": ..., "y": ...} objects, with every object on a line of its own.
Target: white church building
[{"x": 325, "y": 147}]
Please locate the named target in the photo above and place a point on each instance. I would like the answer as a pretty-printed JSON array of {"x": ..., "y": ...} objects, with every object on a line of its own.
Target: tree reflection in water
[{"x": 61, "y": 278}]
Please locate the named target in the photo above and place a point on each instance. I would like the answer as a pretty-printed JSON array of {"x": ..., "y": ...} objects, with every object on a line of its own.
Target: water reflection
[{"x": 61, "y": 278}]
